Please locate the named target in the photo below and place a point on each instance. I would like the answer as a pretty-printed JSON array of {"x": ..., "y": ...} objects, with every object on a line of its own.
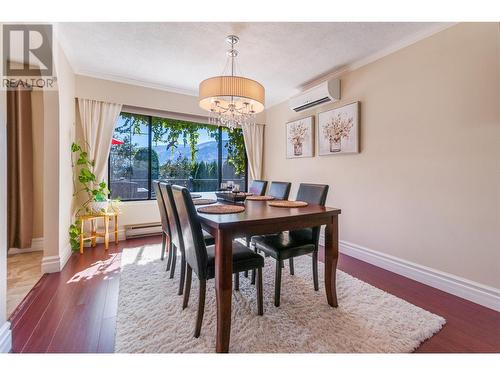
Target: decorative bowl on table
[{"x": 229, "y": 196}]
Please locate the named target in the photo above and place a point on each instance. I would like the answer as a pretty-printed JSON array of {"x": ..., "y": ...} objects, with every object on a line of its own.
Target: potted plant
[{"x": 95, "y": 192}]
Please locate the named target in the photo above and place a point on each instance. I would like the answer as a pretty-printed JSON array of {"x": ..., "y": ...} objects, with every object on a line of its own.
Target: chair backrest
[
  {"x": 195, "y": 250},
  {"x": 172, "y": 216},
  {"x": 161, "y": 206},
  {"x": 279, "y": 190},
  {"x": 258, "y": 187},
  {"x": 313, "y": 194}
]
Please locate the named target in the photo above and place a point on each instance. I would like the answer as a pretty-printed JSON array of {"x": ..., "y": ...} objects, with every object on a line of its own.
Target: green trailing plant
[
  {"x": 94, "y": 191},
  {"x": 173, "y": 132}
]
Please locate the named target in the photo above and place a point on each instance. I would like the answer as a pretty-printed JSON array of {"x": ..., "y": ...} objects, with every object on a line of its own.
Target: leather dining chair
[
  {"x": 201, "y": 259},
  {"x": 258, "y": 187},
  {"x": 278, "y": 190},
  {"x": 165, "y": 228},
  {"x": 176, "y": 233},
  {"x": 294, "y": 243}
]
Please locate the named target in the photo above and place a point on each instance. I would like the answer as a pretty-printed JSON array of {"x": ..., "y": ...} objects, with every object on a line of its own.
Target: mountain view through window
[{"x": 198, "y": 156}]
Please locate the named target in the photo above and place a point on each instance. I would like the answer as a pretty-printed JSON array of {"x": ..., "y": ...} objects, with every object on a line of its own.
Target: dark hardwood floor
[{"x": 75, "y": 310}]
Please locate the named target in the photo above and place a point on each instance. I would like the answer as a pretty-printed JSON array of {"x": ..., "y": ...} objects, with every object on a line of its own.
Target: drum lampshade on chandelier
[{"x": 231, "y": 100}]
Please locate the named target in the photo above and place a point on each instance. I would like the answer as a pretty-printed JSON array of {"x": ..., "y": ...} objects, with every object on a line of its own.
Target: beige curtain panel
[
  {"x": 19, "y": 168},
  {"x": 98, "y": 121},
  {"x": 254, "y": 144}
]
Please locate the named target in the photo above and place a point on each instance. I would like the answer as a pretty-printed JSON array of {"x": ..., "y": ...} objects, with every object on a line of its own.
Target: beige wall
[
  {"x": 426, "y": 185},
  {"x": 38, "y": 129},
  {"x": 59, "y": 131}
]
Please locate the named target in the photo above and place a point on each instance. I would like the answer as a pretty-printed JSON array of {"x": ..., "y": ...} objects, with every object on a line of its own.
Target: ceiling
[{"x": 284, "y": 57}]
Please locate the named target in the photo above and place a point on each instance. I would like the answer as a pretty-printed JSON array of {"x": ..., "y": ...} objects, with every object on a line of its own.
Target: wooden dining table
[{"x": 260, "y": 218}]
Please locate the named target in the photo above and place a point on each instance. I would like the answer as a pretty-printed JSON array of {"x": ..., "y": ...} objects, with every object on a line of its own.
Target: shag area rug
[{"x": 151, "y": 320}]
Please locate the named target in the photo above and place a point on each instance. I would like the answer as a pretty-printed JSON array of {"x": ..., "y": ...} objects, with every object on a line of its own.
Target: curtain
[
  {"x": 254, "y": 144},
  {"x": 19, "y": 168},
  {"x": 98, "y": 120}
]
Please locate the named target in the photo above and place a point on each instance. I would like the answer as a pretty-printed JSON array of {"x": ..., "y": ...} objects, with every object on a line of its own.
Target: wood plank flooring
[
  {"x": 75, "y": 310},
  {"x": 23, "y": 272}
]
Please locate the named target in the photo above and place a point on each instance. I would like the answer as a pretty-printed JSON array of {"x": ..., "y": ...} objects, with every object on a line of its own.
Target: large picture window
[{"x": 198, "y": 156}]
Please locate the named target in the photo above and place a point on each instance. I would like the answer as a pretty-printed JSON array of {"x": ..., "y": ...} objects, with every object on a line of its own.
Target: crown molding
[
  {"x": 134, "y": 82},
  {"x": 405, "y": 42}
]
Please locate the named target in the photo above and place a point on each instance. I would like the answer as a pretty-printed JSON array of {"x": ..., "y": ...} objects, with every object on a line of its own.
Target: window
[{"x": 195, "y": 155}]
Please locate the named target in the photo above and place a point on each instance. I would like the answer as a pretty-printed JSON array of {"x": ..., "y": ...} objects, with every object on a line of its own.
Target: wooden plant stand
[{"x": 93, "y": 234}]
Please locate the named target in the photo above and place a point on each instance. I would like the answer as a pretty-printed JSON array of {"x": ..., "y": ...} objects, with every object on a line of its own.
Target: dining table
[{"x": 261, "y": 218}]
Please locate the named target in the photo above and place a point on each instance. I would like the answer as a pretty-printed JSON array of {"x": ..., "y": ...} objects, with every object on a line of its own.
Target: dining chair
[
  {"x": 277, "y": 190},
  {"x": 176, "y": 234},
  {"x": 165, "y": 228},
  {"x": 294, "y": 243},
  {"x": 201, "y": 259},
  {"x": 258, "y": 187}
]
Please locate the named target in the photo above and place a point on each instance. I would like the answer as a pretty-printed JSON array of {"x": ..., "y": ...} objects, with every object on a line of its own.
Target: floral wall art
[
  {"x": 338, "y": 130},
  {"x": 299, "y": 138}
]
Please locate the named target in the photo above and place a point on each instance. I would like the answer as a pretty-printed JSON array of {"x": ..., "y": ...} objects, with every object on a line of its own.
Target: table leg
[
  {"x": 106, "y": 232},
  {"x": 331, "y": 258},
  {"x": 82, "y": 227},
  {"x": 223, "y": 288}
]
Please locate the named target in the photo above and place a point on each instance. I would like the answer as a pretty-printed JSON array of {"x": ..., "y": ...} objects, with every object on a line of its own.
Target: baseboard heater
[{"x": 142, "y": 230}]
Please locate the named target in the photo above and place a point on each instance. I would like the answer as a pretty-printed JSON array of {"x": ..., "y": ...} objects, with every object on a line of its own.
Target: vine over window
[{"x": 198, "y": 156}]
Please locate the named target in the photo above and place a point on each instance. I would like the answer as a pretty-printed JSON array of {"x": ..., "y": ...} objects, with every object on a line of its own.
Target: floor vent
[{"x": 142, "y": 230}]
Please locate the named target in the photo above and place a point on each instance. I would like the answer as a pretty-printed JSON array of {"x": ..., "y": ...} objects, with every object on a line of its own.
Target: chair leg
[
  {"x": 245, "y": 273},
  {"x": 253, "y": 277},
  {"x": 174, "y": 261},
  {"x": 282, "y": 264},
  {"x": 315, "y": 270},
  {"x": 187, "y": 289},
  {"x": 277, "y": 284},
  {"x": 183, "y": 274},
  {"x": 201, "y": 308},
  {"x": 260, "y": 302},
  {"x": 169, "y": 254},
  {"x": 163, "y": 244},
  {"x": 248, "y": 240},
  {"x": 292, "y": 270},
  {"x": 237, "y": 281}
]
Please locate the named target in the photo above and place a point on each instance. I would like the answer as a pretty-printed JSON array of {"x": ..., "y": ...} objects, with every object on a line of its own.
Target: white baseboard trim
[
  {"x": 55, "y": 263},
  {"x": 470, "y": 290},
  {"x": 5, "y": 338},
  {"x": 36, "y": 245}
]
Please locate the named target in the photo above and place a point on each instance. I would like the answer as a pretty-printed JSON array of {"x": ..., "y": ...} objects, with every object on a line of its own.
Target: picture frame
[
  {"x": 300, "y": 138},
  {"x": 338, "y": 130}
]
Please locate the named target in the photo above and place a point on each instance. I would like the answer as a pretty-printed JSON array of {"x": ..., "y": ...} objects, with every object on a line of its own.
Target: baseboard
[
  {"x": 470, "y": 290},
  {"x": 36, "y": 245},
  {"x": 55, "y": 263},
  {"x": 5, "y": 338}
]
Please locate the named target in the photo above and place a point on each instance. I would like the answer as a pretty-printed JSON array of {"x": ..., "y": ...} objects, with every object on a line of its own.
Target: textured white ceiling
[{"x": 282, "y": 56}]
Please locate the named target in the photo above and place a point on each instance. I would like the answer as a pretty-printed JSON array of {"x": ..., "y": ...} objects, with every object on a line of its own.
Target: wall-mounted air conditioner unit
[{"x": 326, "y": 92}]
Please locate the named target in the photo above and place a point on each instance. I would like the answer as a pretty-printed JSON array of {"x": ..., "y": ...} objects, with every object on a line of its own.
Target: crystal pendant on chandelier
[{"x": 232, "y": 101}]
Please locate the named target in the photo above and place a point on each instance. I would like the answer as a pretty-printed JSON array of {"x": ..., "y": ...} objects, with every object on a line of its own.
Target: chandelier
[{"x": 231, "y": 100}]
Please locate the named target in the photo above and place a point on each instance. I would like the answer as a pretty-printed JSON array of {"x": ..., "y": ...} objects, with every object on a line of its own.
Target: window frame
[{"x": 150, "y": 144}]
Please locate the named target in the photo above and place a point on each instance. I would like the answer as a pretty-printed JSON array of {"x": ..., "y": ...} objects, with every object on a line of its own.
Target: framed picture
[
  {"x": 338, "y": 130},
  {"x": 300, "y": 138}
]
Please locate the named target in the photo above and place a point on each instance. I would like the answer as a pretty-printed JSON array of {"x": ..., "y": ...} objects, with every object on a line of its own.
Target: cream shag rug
[{"x": 151, "y": 319}]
